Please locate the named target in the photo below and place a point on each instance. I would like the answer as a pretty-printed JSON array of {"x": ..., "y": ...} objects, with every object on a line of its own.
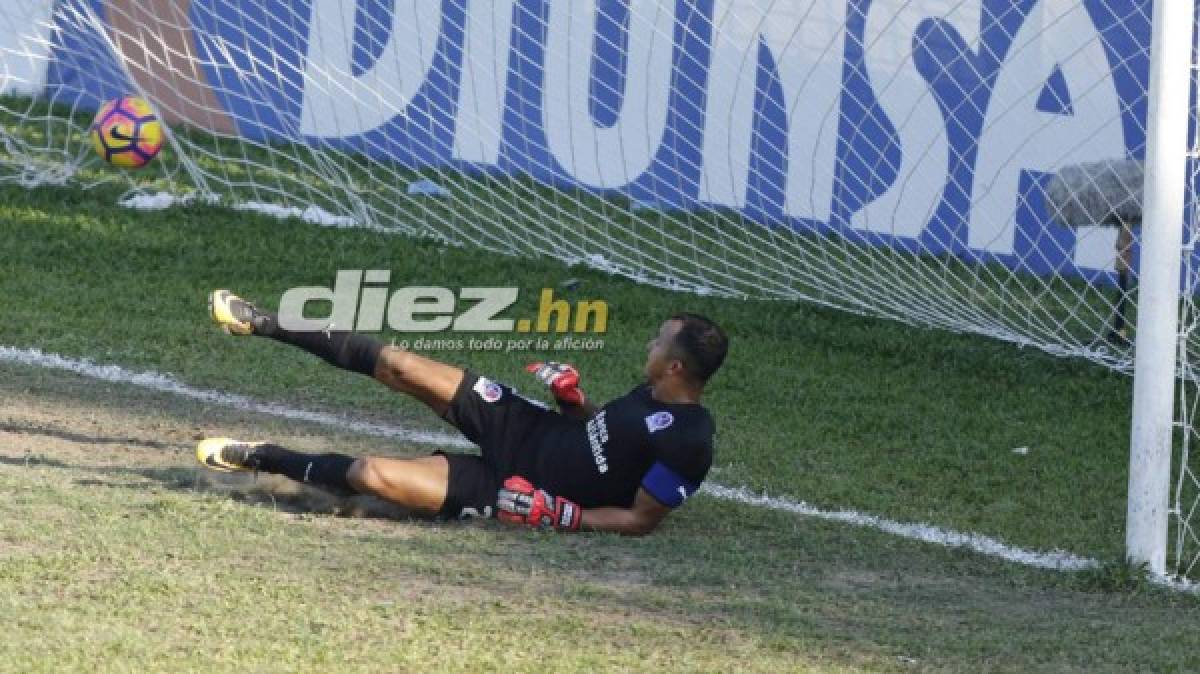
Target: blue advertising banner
[{"x": 923, "y": 125}]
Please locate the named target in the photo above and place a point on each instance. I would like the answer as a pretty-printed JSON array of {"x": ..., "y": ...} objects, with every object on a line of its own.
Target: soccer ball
[{"x": 126, "y": 133}]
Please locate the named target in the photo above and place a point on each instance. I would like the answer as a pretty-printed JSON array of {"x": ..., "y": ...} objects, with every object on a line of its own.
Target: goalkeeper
[{"x": 621, "y": 467}]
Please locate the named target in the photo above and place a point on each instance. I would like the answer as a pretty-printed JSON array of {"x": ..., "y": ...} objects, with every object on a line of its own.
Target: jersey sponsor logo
[
  {"x": 597, "y": 433},
  {"x": 659, "y": 421},
  {"x": 489, "y": 390}
]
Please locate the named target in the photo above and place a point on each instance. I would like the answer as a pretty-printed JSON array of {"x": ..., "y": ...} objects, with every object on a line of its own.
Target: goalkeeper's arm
[
  {"x": 641, "y": 518},
  {"x": 519, "y": 502},
  {"x": 584, "y": 410}
]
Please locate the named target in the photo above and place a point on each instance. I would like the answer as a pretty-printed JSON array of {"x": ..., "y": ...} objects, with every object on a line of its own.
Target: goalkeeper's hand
[
  {"x": 561, "y": 379},
  {"x": 519, "y": 502}
]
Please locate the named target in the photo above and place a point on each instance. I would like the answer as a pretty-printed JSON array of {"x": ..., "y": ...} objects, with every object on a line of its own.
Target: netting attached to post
[{"x": 1184, "y": 558}]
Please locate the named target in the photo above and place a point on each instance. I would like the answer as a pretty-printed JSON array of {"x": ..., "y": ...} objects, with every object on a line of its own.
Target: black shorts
[{"x": 499, "y": 420}]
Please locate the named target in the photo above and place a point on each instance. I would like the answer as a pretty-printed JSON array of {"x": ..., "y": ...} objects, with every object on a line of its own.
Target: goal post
[{"x": 1158, "y": 336}]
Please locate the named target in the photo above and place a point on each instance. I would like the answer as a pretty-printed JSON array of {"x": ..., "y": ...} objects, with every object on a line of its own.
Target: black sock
[
  {"x": 347, "y": 350},
  {"x": 320, "y": 470}
]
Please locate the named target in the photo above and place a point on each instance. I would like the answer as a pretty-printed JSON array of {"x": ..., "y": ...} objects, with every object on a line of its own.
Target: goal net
[
  {"x": 1184, "y": 504},
  {"x": 974, "y": 165}
]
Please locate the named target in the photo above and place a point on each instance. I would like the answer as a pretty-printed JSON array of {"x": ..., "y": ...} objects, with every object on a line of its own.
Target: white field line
[
  {"x": 167, "y": 384},
  {"x": 159, "y": 201},
  {"x": 1056, "y": 560}
]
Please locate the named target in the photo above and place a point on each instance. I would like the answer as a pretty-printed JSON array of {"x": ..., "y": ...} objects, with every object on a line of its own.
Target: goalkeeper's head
[{"x": 688, "y": 349}]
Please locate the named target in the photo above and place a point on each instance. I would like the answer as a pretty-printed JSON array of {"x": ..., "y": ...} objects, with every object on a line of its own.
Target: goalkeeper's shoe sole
[
  {"x": 226, "y": 454},
  {"x": 231, "y": 313}
]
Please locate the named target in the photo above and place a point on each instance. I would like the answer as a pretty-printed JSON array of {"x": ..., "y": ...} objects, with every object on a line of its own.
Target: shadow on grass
[
  {"x": 256, "y": 488},
  {"x": 84, "y": 438}
]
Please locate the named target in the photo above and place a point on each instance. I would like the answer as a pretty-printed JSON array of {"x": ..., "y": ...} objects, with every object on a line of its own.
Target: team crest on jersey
[
  {"x": 659, "y": 421},
  {"x": 487, "y": 389}
]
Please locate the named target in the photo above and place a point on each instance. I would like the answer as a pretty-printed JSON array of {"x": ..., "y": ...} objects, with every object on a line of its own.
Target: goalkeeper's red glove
[
  {"x": 519, "y": 502},
  {"x": 561, "y": 379}
]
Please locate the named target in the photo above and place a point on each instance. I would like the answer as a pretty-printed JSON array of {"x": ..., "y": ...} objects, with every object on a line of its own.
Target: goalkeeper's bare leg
[{"x": 419, "y": 484}]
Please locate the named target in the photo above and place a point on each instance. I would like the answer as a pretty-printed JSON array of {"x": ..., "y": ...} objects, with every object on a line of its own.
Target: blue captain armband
[{"x": 667, "y": 486}]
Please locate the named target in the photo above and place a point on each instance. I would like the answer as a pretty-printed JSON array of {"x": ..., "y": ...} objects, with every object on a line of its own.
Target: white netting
[
  {"x": 1185, "y": 497},
  {"x": 892, "y": 157}
]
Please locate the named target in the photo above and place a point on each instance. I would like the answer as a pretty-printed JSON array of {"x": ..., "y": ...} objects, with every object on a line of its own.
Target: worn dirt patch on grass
[{"x": 124, "y": 433}]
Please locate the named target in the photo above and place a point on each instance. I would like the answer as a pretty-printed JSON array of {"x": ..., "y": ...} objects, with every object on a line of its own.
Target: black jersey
[{"x": 633, "y": 441}]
